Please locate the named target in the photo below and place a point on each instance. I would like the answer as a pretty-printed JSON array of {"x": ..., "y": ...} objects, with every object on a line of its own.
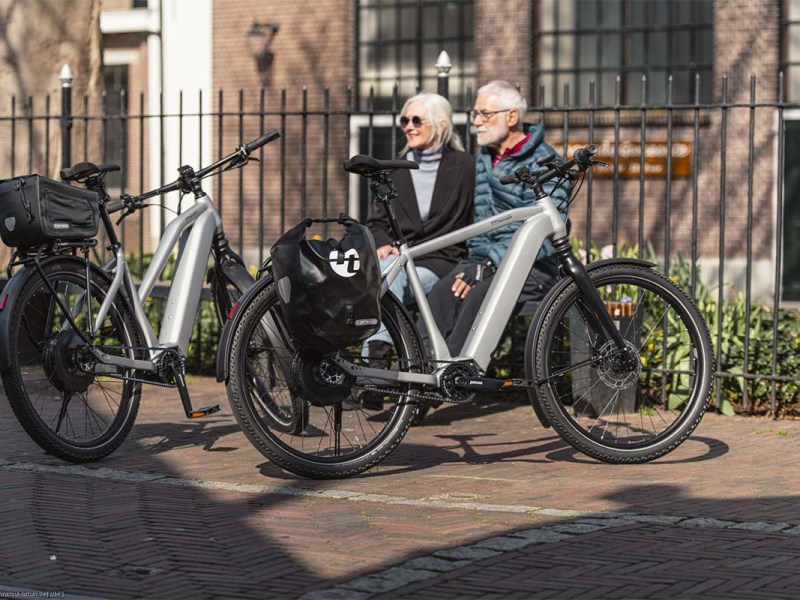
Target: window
[
  {"x": 115, "y": 80},
  {"x": 790, "y": 48},
  {"x": 400, "y": 40},
  {"x": 577, "y": 41}
]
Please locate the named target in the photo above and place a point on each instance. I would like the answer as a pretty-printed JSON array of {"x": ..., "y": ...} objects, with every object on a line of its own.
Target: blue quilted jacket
[{"x": 491, "y": 197}]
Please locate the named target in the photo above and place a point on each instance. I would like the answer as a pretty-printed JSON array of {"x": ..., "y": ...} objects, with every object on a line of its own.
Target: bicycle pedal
[{"x": 203, "y": 412}]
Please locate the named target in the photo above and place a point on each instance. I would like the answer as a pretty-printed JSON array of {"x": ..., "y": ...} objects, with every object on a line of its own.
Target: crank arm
[{"x": 493, "y": 385}]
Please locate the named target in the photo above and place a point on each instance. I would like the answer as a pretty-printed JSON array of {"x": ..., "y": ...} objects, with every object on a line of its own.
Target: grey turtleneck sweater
[{"x": 424, "y": 178}]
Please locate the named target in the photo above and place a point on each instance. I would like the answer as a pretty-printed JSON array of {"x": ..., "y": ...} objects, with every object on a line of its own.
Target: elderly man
[{"x": 506, "y": 144}]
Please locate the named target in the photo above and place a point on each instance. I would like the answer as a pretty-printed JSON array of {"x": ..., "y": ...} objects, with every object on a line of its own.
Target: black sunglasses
[{"x": 415, "y": 121}]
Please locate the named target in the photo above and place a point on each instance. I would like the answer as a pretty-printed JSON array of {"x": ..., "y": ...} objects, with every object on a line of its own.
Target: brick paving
[{"x": 480, "y": 502}]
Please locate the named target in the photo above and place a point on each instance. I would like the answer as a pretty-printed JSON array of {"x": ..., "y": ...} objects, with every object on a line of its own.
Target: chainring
[{"x": 448, "y": 382}]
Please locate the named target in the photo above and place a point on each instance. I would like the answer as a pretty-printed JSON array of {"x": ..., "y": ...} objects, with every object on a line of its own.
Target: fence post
[
  {"x": 66, "y": 116},
  {"x": 443, "y": 65}
]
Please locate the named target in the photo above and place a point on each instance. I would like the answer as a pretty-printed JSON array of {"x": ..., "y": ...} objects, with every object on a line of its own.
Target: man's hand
[
  {"x": 472, "y": 274},
  {"x": 386, "y": 251}
]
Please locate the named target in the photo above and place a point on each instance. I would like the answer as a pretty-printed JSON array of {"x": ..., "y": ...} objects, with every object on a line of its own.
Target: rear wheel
[
  {"x": 603, "y": 403},
  {"x": 351, "y": 424},
  {"x": 66, "y": 406}
]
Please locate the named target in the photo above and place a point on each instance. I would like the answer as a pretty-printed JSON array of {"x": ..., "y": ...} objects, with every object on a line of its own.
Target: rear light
[
  {"x": 3, "y": 302},
  {"x": 230, "y": 314}
]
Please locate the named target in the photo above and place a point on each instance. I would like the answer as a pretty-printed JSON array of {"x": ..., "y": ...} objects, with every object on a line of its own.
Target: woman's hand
[{"x": 386, "y": 251}]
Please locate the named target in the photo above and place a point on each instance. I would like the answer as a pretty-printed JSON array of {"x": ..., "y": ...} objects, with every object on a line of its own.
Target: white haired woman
[{"x": 433, "y": 200}]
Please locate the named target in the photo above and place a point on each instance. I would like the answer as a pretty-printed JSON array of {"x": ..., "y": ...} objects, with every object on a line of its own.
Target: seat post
[{"x": 383, "y": 188}]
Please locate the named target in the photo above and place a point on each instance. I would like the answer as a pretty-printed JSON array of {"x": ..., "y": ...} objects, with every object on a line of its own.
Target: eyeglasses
[
  {"x": 415, "y": 121},
  {"x": 485, "y": 114}
]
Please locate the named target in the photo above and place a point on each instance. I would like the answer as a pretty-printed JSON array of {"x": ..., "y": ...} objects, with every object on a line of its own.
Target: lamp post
[
  {"x": 66, "y": 116},
  {"x": 443, "y": 66}
]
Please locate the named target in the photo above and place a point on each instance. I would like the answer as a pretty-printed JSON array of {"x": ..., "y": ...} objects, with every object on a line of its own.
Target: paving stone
[
  {"x": 541, "y": 536},
  {"x": 388, "y": 580},
  {"x": 504, "y": 543},
  {"x": 435, "y": 563},
  {"x": 466, "y": 553}
]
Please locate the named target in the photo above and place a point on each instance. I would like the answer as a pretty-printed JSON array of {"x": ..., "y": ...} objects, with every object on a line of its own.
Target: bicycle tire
[
  {"x": 363, "y": 436},
  {"x": 614, "y": 412},
  {"x": 70, "y": 413}
]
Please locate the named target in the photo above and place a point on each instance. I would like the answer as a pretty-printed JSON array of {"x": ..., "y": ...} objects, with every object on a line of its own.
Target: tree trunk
[{"x": 38, "y": 37}]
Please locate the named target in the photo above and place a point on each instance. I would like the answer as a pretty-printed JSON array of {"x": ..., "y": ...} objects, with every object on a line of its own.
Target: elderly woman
[{"x": 432, "y": 200}]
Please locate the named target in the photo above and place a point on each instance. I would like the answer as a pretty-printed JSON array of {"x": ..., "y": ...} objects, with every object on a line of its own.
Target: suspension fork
[{"x": 591, "y": 305}]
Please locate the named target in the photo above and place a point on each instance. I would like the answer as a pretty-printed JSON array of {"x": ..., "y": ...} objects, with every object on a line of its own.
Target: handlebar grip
[
  {"x": 583, "y": 156},
  {"x": 506, "y": 179},
  {"x": 113, "y": 207},
  {"x": 266, "y": 138}
]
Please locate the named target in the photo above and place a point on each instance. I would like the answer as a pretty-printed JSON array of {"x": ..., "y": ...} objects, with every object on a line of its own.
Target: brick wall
[
  {"x": 502, "y": 41},
  {"x": 313, "y": 49}
]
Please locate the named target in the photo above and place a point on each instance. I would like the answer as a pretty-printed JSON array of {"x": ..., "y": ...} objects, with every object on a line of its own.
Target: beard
[{"x": 492, "y": 135}]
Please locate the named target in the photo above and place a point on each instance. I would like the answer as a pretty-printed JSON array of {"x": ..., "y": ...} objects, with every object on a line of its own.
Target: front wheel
[
  {"x": 610, "y": 406},
  {"x": 60, "y": 398},
  {"x": 350, "y": 424}
]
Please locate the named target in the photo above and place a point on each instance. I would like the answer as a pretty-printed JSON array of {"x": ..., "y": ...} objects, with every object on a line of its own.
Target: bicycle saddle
[
  {"x": 82, "y": 170},
  {"x": 366, "y": 165}
]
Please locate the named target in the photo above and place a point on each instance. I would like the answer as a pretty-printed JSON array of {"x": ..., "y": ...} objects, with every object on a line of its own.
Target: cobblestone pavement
[{"x": 480, "y": 502}]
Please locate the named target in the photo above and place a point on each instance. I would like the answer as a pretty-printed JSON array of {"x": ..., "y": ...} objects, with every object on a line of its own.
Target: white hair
[
  {"x": 439, "y": 114},
  {"x": 507, "y": 96}
]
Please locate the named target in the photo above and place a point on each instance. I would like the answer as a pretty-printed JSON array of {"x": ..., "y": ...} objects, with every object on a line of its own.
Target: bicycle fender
[
  {"x": 556, "y": 289},
  {"x": 8, "y": 299},
  {"x": 226, "y": 335}
]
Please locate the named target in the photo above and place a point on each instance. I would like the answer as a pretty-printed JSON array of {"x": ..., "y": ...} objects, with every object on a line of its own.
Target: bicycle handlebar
[
  {"x": 189, "y": 177},
  {"x": 266, "y": 138},
  {"x": 242, "y": 153},
  {"x": 581, "y": 158}
]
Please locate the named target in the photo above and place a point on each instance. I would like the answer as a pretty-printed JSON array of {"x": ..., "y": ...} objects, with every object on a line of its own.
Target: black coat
[{"x": 451, "y": 208}]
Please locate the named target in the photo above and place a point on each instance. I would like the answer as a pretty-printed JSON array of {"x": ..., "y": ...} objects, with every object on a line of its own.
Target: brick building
[{"x": 324, "y": 72}]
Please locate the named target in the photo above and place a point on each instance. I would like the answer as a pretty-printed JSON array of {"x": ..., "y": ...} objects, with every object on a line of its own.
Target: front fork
[{"x": 591, "y": 306}]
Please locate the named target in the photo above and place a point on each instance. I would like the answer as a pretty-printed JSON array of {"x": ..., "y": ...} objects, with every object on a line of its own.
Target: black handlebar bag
[{"x": 329, "y": 291}]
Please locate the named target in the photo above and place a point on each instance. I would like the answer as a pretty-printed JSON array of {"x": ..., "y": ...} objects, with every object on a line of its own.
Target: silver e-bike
[
  {"x": 618, "y": 359},
  {"x": 75, "y": 344}
]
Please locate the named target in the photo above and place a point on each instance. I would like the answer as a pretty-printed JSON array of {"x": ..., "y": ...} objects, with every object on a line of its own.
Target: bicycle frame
[
  {"x": 539, "y": 222},
  {"x": 199, "y": 223}
]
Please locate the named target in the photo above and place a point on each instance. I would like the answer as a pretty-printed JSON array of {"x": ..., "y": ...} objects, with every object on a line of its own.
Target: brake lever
[
  {"x": 600, "y": 163},
  {"x": 131, "y": 206}
]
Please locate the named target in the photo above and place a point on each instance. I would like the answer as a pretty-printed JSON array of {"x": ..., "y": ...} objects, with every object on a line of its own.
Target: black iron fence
[{"x": 710, "y": 191}]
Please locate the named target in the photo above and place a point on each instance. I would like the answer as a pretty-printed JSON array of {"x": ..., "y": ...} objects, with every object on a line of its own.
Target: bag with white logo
[
  {"x": 329, "y": 291},
  {"x": 35, "y": 210}
]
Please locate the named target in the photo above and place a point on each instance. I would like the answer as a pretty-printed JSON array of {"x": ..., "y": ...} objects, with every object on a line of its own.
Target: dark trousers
[{"x": 455, "y": 316}]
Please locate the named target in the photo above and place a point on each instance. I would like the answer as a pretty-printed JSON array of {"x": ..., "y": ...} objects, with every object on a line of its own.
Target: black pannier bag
[
  {"x": 35, "y": 210},
  {"x": 329, "y": 291}
]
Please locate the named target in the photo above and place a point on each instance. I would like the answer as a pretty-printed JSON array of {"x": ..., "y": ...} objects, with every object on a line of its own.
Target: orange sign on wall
[{"x": 630, "y": 153}]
